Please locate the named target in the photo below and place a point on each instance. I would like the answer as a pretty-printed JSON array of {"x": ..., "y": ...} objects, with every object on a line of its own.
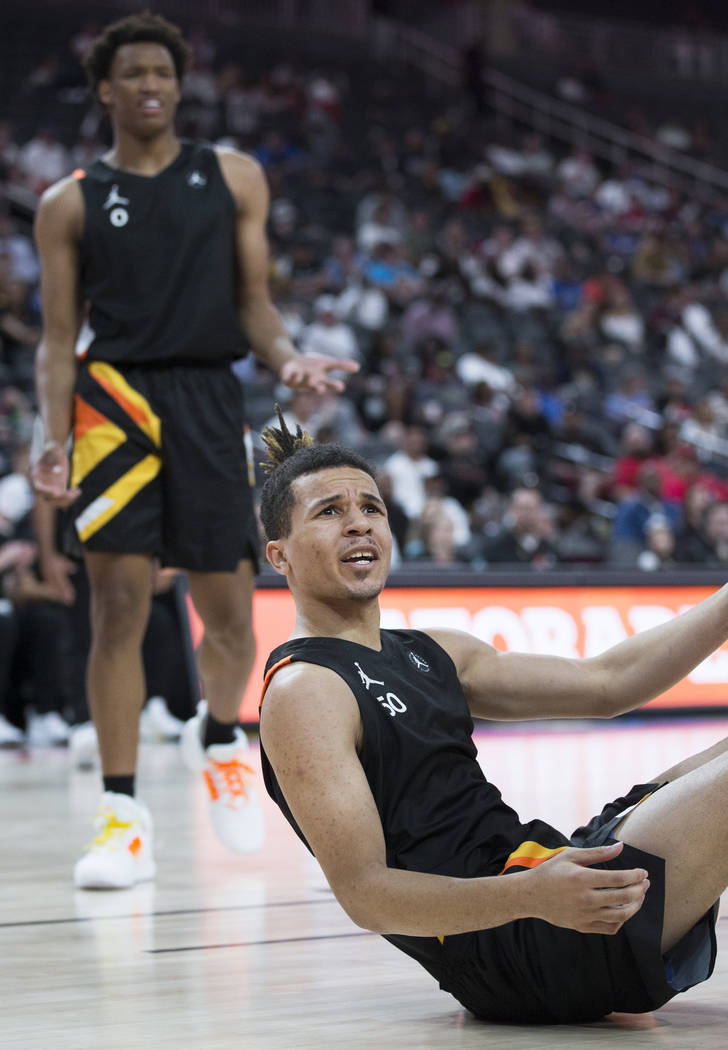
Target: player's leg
[
  {"x": 210, "y": 530},
  {"x": 121, "y": 592},
  {"x": 117, "y": 463},
  {"x": 212, "y": 742},
  {"x": 121, "y": 854},
  {"x": 686, "y": 823},
  {"x": 224, "y": 602}
]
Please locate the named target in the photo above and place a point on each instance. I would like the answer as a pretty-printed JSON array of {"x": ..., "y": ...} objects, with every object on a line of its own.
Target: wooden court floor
[{"x": 254, "y": 952}]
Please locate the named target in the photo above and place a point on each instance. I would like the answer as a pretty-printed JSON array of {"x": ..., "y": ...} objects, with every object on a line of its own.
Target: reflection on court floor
[{"x": 225, "y": 951}]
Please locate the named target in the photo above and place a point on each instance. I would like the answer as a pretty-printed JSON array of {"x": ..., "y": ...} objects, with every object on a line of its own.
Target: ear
[
  {"x": 103, "y": 92},
  {"x": 275, "y": 554}
]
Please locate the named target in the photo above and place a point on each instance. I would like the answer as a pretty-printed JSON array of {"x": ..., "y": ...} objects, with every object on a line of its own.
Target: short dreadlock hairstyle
[
  {"x": 290, "y": 456},
  {"x": 142, "y": 28}
]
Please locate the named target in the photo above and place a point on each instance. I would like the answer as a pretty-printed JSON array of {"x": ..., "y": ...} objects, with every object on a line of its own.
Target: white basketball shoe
[
  {"x": 122, "y": 852},
  {"x": 235, "y": 810}
]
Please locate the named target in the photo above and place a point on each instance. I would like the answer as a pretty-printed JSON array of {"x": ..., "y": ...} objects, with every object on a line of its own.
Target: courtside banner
[{"x": 563, "y": 621}]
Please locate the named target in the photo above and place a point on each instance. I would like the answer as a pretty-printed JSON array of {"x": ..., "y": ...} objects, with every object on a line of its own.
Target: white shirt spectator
[
  {"x": 627, "y": 328},
  {"x": 408, "y": 481},
  {"x": 613, "y": 196},
  {"x": 44, "y": 159},
  {"x": 578, "y": 174},
  {"x": 473, "y": 368},
  {"x": 328, "y": 335},
  {"x": 366, "y": 307}
]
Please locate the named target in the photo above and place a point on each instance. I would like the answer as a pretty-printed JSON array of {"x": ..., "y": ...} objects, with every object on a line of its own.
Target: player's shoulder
[
  {"x": 62, "y": 202},
  {"x": 300, "y": 699},
  {"x": 241, "y": 170},
  {"x": 63, "y": 193},
  {"x": 460, "y": 646},
  {"x": 291, "y": 676}
]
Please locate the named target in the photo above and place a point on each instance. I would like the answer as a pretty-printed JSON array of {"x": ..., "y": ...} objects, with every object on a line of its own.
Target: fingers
[
  {"x": 59, "y": 497},
  {"x": 595, "y": 854}
]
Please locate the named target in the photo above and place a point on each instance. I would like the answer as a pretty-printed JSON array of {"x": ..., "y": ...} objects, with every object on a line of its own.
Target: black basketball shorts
[
  {"x": 159, "y": 455},
  {"x": 529, "y": 971}
]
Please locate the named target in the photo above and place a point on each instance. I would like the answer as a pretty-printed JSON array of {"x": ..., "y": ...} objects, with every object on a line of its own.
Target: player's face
[
  {"x": 339, "y": 545},
  {"x": 142, "y": 90}
]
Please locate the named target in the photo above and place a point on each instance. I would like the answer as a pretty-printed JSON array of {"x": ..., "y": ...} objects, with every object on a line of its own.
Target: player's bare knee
[
  {"x": 233, "y": 638},
  {"x": 119, "y": 613}
]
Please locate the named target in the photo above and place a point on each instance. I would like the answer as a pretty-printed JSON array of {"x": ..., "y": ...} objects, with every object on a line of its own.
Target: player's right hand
[
  {"x": 568, "y": 892},
  {"x": 49, "y": 475}
]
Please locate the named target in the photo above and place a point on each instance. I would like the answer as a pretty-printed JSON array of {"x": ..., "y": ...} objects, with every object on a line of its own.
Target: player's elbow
[{"x": 359, "y": 900}]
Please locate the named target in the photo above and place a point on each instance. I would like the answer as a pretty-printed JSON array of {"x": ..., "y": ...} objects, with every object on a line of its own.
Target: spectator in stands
[
  {"x": 408, "y": 468},
  {"x": 327, "y": 334},
  {"x": 433, "y": 539},
  {"x": 15, "y": 556},
  {"x": 628, "y": 532},
  {"x": 659, "y": 546},
  {"x": 631, "y": 400},
  {"x": 691, "y": 545},
  {"x": 636, "y": 446},
  {"x": 620, "y": 321},
  {"x": 524, "y": 539},
  {"x": 44, "y": 159},
  {"x": 715, "y": 528}
]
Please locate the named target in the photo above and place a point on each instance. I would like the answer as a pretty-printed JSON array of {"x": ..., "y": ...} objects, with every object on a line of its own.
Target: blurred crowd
[{"x": 542, "y": 337}]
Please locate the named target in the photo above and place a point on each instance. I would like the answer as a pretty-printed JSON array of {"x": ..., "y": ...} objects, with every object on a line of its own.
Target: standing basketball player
[
  {"x": 164, "y": 240},
  {"x": 368, "y": 750}
]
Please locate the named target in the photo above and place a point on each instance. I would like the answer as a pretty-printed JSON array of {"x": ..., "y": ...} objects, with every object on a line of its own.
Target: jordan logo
[
  {"x": 197, "y": 180},
  {"x": 365, "y": 677},
  {"x": 114, "y": 198},
  {"x": 115, "y": 204},
  {"x": 418, "y": 661}
]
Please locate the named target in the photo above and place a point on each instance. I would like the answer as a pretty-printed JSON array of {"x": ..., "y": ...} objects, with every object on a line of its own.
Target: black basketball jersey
[
  {"x": 439, "y": 813},
  {"x": 158, "y": 262}
]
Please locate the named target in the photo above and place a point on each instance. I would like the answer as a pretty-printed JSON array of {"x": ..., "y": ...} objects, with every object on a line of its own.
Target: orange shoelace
[{"x": 228, "y": 780}]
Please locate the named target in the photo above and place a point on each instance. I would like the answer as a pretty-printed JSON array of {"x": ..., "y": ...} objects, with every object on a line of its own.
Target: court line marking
[
  {"x": 162, "y": 914},
  {"x": 253, "y": 944}
]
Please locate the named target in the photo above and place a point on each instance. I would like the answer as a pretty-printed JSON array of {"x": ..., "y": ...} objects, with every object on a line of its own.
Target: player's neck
[
  {"x": 143, "y": 156},
  {"x": 352, "y": 621}
]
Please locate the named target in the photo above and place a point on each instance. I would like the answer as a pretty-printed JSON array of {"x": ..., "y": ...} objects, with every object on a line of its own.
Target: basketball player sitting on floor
[{"x": 367, "y": 749}]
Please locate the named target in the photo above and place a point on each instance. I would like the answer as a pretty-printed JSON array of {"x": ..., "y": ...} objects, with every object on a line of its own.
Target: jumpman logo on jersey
[
  {"x": 197, "y": 180},
  {"x": 365, "y": 677},
  {"x": 419, "y": 662},
  {"x": 115, "y": 199}
]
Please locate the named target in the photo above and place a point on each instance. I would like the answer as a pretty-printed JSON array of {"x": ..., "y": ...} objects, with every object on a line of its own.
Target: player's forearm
[
  {"x": 648, "y": 663},
  {"x": 264, "y": 328},
  {"x": 55, "y": 377},
  {"x": 388, "y": 900}
]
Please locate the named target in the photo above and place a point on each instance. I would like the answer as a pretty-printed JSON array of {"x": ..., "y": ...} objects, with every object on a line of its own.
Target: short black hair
[
  {"x": 277, "y": 498},
  {"x": 142, "y": 28}
]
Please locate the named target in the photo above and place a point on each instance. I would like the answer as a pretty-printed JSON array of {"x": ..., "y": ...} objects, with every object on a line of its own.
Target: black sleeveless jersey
[
  {"x": 158, "y": 262},
  {"x": 439, "y": 813}
]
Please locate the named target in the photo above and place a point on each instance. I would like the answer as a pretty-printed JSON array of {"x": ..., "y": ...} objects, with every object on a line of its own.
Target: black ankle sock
[
  {"x": 123, "y": 785},
  {"x": 218, "y": 732}
]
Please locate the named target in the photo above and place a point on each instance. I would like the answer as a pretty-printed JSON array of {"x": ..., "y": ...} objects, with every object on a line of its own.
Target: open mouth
[{"x": 360, "y": 558}]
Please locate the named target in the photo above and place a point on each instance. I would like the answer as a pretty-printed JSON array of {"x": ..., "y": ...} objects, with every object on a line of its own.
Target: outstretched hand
[
  {"x": 50, "y": 474},
  {"x": 312, "y": 372},
  {"x": 570, "y": 893}
]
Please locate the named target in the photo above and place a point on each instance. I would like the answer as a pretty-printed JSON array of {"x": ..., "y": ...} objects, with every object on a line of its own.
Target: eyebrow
[{"x": 369, "y": 497}]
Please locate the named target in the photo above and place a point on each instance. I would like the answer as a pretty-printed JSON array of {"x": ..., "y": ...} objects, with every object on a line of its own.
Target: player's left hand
[{"x": 312, "y": 372}]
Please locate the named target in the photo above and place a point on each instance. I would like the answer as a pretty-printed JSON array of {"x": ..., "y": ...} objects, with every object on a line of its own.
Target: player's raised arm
[{"x": 514, "y": 686}]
